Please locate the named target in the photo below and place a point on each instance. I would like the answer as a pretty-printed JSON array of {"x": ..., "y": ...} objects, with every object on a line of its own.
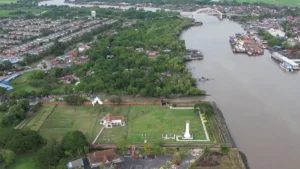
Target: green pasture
[
  {"x": 143, "y": 122},
  {"x": 149, "y": 122},
  {"x": 70, "y": 118}
]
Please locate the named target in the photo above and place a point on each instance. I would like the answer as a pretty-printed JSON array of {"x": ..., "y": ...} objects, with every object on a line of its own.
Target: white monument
[
  {"x": 187, "y": 134},
  {"x": 97, "y": 100},
  {"x": 93, "y": 14}
]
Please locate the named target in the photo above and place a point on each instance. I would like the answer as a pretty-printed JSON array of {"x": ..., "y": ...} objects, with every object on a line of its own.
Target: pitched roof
[
  {"x": 105, "y": 157},
  {"x": 109, "y": 117},
  {"x": 76, "y": 163}
]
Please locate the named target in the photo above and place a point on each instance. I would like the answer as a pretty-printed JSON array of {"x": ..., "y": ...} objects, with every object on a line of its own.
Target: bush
[
  {"x": 74, "y": 100},
  {"x": 116, "y": 100}
]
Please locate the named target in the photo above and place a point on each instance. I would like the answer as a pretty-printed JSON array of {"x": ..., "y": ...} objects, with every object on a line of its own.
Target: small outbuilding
[
  {"x": 97, "y": 100},
  {"x": 77, "y": 164}
]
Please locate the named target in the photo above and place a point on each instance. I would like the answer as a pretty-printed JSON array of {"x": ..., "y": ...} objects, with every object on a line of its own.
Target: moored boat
[{"x": 286, "y": 67}]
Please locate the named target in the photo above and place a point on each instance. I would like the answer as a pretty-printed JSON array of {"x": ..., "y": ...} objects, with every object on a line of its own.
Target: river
[{"x": 257, "y": 98}]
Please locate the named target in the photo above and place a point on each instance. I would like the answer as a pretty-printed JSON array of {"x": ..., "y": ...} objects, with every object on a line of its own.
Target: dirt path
[{"x": 124, "y": 103}]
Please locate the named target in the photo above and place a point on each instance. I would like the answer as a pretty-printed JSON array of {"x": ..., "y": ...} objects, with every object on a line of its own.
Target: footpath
[{"x": 125, "y": 103}]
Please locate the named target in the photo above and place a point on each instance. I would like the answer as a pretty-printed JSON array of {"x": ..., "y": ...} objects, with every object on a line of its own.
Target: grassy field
[
  {"x": 39, "y": 119},
  {"x": 21, "y": 83},
  {"x": 24, "y": 84},
  {"x": 69, "y": 118},
  {"x": 143, "y": 122},
  {"x": 25, "y": 161},
  {"x": 7, "y": 1},
  {"x": 149, "y": 122},
  {"x": 281, "y": 2}
]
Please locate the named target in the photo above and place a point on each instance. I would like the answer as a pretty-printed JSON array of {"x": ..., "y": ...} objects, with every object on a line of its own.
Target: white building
[
  {"x": 93, "y": 14},
  {"x": 276, "y": 32},
  {"x": 109, "y": 121},
  {"x": 83, "y": 48}
]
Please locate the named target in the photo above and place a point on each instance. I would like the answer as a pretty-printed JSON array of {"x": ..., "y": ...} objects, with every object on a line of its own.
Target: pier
[{"x": 277, "y": 56}]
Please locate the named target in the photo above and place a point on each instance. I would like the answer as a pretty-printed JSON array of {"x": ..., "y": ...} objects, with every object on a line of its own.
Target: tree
[
  {"x": 3, "y": 107},
  {"x": 116, "y": 100},
  {"x": 75, "y": 142},
  {"x": 157, "y": 146},
  {"x": 148, "y": 148},
  {"x": 2, "y": 91},
  {"x": 24, "y": 103},
  {"x": 287, "y": 45},
  {"x": 207, "y": 151},
  {"x": 49, "y": 156},
  {"x": 224, "y": 150},
  {"x": 123, "y": 144},
  {"x": 8, "y": 156},
  {"x": 74, "y": 100},
  {"x": 24, "y": 140}
]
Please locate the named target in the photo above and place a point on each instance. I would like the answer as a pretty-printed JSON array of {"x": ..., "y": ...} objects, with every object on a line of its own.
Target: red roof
[
  {"x": 105, "y": 157},
  {"x": 109, "y": 117}
]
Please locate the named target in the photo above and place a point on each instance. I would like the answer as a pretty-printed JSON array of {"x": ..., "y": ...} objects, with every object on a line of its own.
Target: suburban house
[
  {"x": 69, "y": 79},
  {"x": 109, "y": 121},
  {"x": 77, "y": 164},
  {"x": 104, "y": 158}
]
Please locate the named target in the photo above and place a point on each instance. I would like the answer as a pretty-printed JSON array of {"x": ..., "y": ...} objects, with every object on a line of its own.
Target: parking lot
[{"x": 132, "y": 163}]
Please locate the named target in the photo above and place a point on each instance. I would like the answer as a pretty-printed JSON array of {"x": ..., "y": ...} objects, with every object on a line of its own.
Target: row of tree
[{"x": 272, "y": 40}]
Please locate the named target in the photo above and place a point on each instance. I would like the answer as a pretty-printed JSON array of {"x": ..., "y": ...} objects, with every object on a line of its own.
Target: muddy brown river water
[{"x": 259, "y": 100}]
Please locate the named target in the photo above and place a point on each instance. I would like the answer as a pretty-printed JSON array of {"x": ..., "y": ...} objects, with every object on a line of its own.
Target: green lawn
[
  {"x": 25, "y": 161},
  {"x": 24, "y": 83},
  {"x": 282, "y": 2},
  {"x": 149, "y": 122},
  {"x": 143, "y": 122},
  {"x": 21, "y": 83},
  {"x": 70, "y": 118},
  {"x": 40, "y": 117},
  {"x": 7, "y": 1}
]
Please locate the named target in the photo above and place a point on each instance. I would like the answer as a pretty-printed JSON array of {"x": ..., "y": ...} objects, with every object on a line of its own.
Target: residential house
[
  {"x": 69, "y": 79},
  {"x": 109, "y": 121},
  {"x": 76, "y": 164},
  {"x": 104, "y": 158}
]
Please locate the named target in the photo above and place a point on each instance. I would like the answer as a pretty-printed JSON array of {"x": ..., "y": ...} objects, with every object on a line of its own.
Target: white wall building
[
  {"x": 109, "y": 121},
  {"x": 276, "y": 32},
  {"x": 93, "y": 14}
]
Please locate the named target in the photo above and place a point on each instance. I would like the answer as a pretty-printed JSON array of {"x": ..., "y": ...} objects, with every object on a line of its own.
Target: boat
[{"x": 286, "y": 67}]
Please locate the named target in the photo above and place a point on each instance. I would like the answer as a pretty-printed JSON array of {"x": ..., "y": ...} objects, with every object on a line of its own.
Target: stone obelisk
[{"x": 187, "y": 130}]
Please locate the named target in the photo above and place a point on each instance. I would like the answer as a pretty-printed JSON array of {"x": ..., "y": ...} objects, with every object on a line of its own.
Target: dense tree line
[
  {"x": 134, "y": 72},
  {"x": 55, "y": 12},
  {"x": 20, "y": 141},
  {"x": 55, "y": 155},
  {"x": 15, "y": 112},
  {"x": 51, "y": 155},
  {"x": 272, "y": 40}
]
